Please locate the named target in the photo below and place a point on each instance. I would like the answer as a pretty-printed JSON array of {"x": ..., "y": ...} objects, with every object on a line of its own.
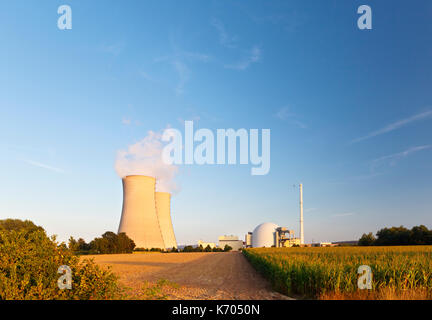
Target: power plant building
[
  {"x": 271, "y": 235},
  {"x": 231, "y": 241},
  {"x": 141, "y": 220}
]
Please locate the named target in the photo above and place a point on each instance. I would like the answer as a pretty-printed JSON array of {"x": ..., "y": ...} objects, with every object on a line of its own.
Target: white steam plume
[{"x": 145, "y": 158}]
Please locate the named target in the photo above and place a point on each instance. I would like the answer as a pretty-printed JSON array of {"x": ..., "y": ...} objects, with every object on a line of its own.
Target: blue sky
[{"x": 350, "y": 111}]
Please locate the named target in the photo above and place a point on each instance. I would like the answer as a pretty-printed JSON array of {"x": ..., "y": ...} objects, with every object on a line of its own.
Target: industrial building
[
  {"x": 269, "y": 234},
  {"x": 205, "y": 244},
  {"x": 146, "y": 214},
  {"x": 232, "y": 241}
]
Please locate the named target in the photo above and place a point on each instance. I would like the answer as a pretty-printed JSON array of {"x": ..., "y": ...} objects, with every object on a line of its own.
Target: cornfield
[{"x": 317, "y": 272}]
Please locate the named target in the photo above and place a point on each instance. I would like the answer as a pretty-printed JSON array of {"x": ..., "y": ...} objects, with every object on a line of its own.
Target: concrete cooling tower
[
  {"x": 139, "y": 218},
  {"x": 163, "y": 208}
]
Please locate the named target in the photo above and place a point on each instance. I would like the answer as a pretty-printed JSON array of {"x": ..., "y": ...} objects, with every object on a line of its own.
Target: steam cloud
[{"x": 145, "y": 158}]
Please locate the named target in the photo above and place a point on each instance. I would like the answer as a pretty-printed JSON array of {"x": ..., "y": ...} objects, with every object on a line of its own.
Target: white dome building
[{"x": 264, "y": 235}]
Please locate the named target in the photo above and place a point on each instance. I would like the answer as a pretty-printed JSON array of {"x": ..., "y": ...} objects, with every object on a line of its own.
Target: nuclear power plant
[
  {"x": 163, "y": 209},
  {"x": 146, "y": 214},
  {"x": 269, "y": 234}
]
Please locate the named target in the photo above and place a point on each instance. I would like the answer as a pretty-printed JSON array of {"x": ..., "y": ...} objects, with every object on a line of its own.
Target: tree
[
  {"x": 73, "y": 244},
  {"x": 110, "y": 242},
  {"x": 29, "y": 262},
  {"x": 399, "y": 236},
  {"x": 18, "y": 225},
  {"x": 208, "y": 248},
  {"x": 227, "y": 248},
  {"x": 188, "y": 249},
  {"x": 367, "y": 239}
]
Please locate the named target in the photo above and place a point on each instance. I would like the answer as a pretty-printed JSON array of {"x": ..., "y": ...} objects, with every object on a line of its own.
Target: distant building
[
  {"x": 205, "y": 244},
  {"x": 324, "y": 244},
  {"x": 248, "y": 240},
  {"x": 346, "y": 243},
  {"x": 271, "y": 235},
  {"x": 232, "y": 241}
]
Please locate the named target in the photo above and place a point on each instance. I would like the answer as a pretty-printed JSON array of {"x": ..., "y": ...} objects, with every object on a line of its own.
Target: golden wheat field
[{"x": 331, "y": 273}]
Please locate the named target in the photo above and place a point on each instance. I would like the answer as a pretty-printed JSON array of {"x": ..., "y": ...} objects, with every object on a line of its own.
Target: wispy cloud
[
  {"x": 181, "y": 60},
  {"x": 393, "y": 158},
  {"x": 347, "y": 214},
  {"x": 224, "y": 38},
  {"x": 254, "y": 55},
  {"x": 183, "y": 73},
  {"x": 285, "y": 114},
  {"x": 114, "y": 49},
  {"x": 396, "y": 125},
  {"x": 44, "y": 166},
  {"x": 126, "y": 121}
]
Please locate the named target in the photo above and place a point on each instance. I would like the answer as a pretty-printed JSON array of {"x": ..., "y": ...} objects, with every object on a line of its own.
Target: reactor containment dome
[{"x": 264, "y": 235}]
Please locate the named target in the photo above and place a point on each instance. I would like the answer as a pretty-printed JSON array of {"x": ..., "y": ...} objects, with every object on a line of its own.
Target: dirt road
[{"x": 190, "y": 275}]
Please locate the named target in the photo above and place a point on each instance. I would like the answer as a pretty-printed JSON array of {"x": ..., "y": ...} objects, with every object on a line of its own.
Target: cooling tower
[
  {"x": 139, "y": 218},
  {"x": 163, "y": 208}
]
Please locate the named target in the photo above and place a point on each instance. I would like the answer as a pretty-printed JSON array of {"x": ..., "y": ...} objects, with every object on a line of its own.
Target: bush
[
  {"x": 227, "y": 248},
  {"x": 29, "y": 262}
]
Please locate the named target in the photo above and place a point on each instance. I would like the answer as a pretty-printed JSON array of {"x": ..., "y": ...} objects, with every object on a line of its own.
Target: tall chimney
[{"x": 301, "y": 215}]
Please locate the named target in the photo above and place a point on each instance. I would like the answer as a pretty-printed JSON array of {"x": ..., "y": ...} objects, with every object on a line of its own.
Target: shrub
[
  {"x": 29, "y": 264},
  {"x": 227, "y": 248}
]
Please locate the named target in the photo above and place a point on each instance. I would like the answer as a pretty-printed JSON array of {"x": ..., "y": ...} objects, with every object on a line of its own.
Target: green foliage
[
  {"x": 398, "y": 236},
  {"x": 227, "y": 248},
  {"x": 29, "y": 263},
  {"x": 367, "y": 240},
  {"x": 26, "y": 226},
  {"x": 188, "y": 249},
  {"x": 311, "y": 272},
  {"x": 110, "y": 242}
]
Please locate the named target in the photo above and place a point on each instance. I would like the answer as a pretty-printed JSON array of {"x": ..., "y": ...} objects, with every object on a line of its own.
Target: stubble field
[{"x": 225, "y": 275}]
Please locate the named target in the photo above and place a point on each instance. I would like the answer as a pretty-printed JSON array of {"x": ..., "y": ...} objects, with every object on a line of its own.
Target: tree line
[
  {"x": 108, "y": 243},
  {"x": 398, "y": 236}
]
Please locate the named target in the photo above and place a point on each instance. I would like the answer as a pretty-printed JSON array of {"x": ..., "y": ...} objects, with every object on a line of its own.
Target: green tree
[
  {"x": 367, "y": 239},
  {"x": 26, "y": 226},
  {"x": 73, "y": 244},
  {"x": 227, "y": 248}
]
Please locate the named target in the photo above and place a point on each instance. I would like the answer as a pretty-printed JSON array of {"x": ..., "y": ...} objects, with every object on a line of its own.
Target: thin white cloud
[
  {"x": 114, "y": 49},
  {"x": 224, "y": 38},
  {"x": 126, "y": 122},
  {"x": 396, "y": 125},
  {"x": 347, "y": 214},
  {"x": 393, "y": 158},
  {"x": 44, "y": 166},
  {"x": 254, "y": 56},
  {"x": 285, "y": 114},
  {"x": 183, "y": 73},
  {"x": 180, "y": 60}
]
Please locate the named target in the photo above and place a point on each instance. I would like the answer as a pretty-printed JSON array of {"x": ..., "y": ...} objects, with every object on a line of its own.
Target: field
[
  {"x": 331, "y": 273},
  {"x": 198, "y": 275}
]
